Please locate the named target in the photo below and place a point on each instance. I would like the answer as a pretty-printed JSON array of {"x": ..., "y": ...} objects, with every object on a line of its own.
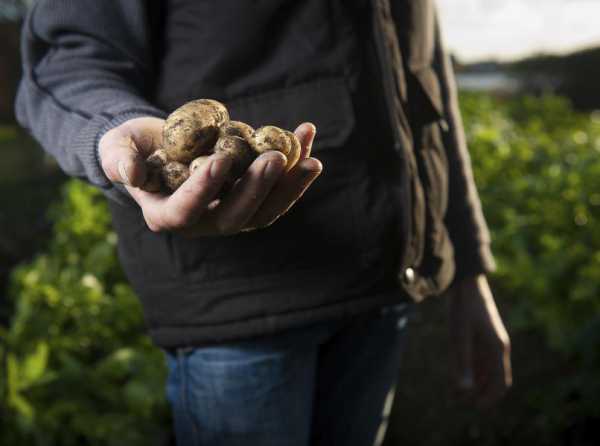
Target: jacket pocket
[{"x": 327, "y": 103}]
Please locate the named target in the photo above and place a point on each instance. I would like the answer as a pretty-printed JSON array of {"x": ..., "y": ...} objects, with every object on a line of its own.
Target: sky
[{"x": 509, "y": 29}]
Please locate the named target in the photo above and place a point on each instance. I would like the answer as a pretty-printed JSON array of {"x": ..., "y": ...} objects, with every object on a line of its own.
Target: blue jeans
[{"x": 327, "y": 384}]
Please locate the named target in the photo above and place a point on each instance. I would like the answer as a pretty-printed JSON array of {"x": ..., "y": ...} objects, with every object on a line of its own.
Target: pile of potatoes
[{"x": 202, "y": 127}]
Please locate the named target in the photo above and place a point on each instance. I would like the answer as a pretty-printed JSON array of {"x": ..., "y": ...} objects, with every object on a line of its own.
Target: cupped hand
[
  {"x": 262, "y": 195},
  {"x": 479, "y": 343}
]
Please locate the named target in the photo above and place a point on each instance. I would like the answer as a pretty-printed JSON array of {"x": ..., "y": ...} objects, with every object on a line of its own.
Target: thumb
[{"x": 121, "y": 160}]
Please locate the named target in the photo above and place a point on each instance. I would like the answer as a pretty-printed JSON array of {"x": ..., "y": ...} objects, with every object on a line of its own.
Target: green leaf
[
  {"x": 34, "y": 365},
  {"x": 22, "y": 406},
  {"x": 12, "y": 375}
]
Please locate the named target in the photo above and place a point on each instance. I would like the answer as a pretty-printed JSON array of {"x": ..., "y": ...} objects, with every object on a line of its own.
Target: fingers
[
  {"x": 248, "y": 194},
  {"x": 496, "y": 375},
  {"x": 494, "y": 352},
  {"x": 289, "y": 189},
  {"x": 306, "y": 134},
  {"x": 483, "y": 368},
  {"x": 190, "y": 200},
  {"x": 188, "y": 204},
  {"x": 193, "y": 209},
  {"x": 491, "y": 390},
  {"x": 122, "y": 162},
  {"x": 293, "y": 185},
  {"x": 146, "y": 132},
  {"x": 122, "y": 150}
]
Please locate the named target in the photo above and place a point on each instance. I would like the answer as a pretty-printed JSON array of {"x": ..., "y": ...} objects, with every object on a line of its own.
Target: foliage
[
  {"x": 537, "y": 165},
  {"x": 29, "y": 181},
  {"x": 78, "y": 368},
  {"x": 11, "y": 10}
]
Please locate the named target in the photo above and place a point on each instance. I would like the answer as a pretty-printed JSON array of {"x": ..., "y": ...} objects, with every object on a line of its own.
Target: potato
[
  {"x": 270, "y": 137},
  {"x": 174, "y": 174},
  {"x": 201, "y": 128},
  {"x": 237, "y": 128},
  {"x": 296, "y": 148},
  {"x": 158, "y": 158},
  {"x": 154, "y": 165},
  {"x": 239, "y": 151},
  {"x": 193, "y": 129}
]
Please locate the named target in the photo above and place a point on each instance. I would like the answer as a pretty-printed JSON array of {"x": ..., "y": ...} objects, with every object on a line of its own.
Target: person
[{"x": 282, "y": 307}]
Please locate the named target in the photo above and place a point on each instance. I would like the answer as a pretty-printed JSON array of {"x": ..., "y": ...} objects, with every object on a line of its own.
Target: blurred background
[{"x": 76, "y": 368}]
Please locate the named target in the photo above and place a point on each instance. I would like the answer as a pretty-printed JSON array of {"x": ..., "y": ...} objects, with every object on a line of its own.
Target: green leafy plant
[
  {"x": 537, "y": 165},
  {"x": 78, "y": 368}
]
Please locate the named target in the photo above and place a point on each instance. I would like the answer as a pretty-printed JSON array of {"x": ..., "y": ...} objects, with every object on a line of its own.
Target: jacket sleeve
[
  {"x": 87, "y": 67},
  {"x": 465, "y": 221}
]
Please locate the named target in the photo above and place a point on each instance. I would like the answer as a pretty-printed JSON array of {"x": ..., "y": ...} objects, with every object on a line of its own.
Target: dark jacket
[{"x": 90, "y": 66}]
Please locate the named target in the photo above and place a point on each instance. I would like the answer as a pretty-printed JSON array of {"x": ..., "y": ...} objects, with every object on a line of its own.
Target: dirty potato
[
  {"x": 174, "y": 174},
  {"x": 193, "y": 129},
  {"x": 270, "y": 137}
]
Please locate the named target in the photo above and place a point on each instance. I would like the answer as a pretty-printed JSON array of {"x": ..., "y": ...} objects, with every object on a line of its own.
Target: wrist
[
  {"x": 472, "y": 290},
  {"x": 467, "y": 283}
]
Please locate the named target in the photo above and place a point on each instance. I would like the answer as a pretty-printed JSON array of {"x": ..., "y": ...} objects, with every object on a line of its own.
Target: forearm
[
  {"x": 465, "y": 220},
  {"x": 81, "y": 77}
]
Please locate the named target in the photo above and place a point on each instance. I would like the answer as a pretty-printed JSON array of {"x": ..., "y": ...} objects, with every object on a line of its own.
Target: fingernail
[
  {"x": 219, "y": 167},
  {"x": 314, "y": 133},
  {"x": 272, "y": 170},
  {"x": 123, "y": 172},
  {"x": 213, "y": 204}
]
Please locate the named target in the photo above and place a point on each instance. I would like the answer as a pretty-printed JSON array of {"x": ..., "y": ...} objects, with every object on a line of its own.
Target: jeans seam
[{"x": 185, "y": 401}]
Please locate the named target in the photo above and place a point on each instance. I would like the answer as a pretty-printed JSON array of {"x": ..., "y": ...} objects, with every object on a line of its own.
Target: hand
[
  {"x": 480, "y": 343},
  {"x": 258, "y": 199}
]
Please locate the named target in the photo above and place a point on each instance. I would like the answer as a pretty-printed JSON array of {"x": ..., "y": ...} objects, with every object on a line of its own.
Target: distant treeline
[{"x": 575, "y": 75}]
